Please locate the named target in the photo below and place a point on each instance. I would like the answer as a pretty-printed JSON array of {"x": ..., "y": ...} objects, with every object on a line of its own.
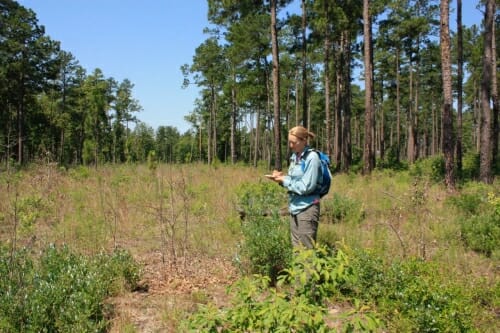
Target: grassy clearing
[{"x": 182, "y": 224}]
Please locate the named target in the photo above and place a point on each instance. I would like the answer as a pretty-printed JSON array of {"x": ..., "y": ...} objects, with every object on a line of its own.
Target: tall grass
[{"x": 182, "y": 213}]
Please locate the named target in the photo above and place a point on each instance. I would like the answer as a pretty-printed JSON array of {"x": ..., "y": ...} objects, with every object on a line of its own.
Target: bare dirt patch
[{"x": 169, "y": 291}]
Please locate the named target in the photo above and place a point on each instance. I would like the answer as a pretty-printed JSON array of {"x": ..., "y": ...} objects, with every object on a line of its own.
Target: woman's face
[{"x": 296, "y": 144}]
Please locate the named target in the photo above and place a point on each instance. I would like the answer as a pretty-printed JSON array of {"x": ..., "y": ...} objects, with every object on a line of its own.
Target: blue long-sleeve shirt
[{"x": 304, "y": 174}]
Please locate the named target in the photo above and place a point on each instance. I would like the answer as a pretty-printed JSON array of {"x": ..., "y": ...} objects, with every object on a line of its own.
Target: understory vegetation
[
  {"x": 61, "y": 291},
  {"x": 396, "y": 252}
]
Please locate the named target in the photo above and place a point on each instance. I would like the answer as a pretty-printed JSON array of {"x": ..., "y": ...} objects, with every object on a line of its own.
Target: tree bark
[
  {"x": 276, "y": 87},
  {"x": 346, "y": 106},
  {"x": 368, "y": 153},
  {"x": 494, "y": 95},
  {"x": 485, "y": 168},
  {"x": 448, "y": 143},
  {"x": 327, "y": 80},
  {"x": 460, "y": 75},
  {"x": 234, "y": 119}
]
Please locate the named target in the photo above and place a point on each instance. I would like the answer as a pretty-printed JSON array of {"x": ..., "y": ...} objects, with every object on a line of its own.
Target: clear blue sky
[{"x": 146, "y": 42}]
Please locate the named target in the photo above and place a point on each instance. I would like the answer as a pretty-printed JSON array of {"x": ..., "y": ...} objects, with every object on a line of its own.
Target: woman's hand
[
  {"x": 277, "y": 173},
  {"x": 278, "y": 176}
]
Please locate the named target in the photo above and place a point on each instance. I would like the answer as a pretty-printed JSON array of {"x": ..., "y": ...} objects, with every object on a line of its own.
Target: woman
[{"x": 304, "y": 175}]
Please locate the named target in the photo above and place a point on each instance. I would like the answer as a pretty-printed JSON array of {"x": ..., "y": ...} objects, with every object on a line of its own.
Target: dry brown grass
[{"x": 180, "y": 223}]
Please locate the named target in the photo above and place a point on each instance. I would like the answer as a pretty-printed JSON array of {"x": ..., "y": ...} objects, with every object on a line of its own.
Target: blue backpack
[{"x": 324, "y": 187}]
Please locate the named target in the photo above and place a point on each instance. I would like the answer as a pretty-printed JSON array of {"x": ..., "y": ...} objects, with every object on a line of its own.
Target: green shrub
[
  {"x": 391, "y": 160},
  {"x": 260, "y": 199},
  {"x": 469, "y": 204},
  {"x": 317, "y": 274},
  {"x": 62, "y": 291},
  {"x": 481, "y": 232},
  {"x": 266, "y": 248},
  {"x": 428, "y": 301},
  {"x": 257, "y": 308},
  {"x": 413, "y": 295},
  {"x": 470, "y": 166},
  {"x": 297, "y": 304},
  {"x": 342, "y": 209},
  {"x": 479, "y": 220},
  {"x": 432, "y": 168},
  {"x": 79, "y": 173}
]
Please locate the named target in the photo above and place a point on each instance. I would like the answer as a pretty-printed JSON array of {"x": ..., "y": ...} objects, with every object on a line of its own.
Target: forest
[
  {"x": 381, "y": 83},
  {"x": 110, "y": 225}
]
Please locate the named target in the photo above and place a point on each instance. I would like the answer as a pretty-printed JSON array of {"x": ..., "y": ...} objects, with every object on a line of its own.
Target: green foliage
[
  {"x": 482, "y": 233},
  {"x": 256, "y": 308},
  {"x": 317, "y": 274},
  {"x": 430, "y": 302},
  {"x": 80, "y": 172},
  {"x": 342, "y": 209},
  {"x": 480, "y": 219},
  {"x": 62, "y": 292},
  {"x": 391, "y": 160},
  {"x": 152, "y": 160},
  {"x": 413, "y": 295},
  {"x": 266, "y": 248},
  {"x": 88, "y": 153},
  {"x": 29, "y": 210},
  {"x": 260, "y": 199},
  {"x": 432, "y": 168},
  {"x": 470, "y": 166},
  {"x": 297, "y": 304}
]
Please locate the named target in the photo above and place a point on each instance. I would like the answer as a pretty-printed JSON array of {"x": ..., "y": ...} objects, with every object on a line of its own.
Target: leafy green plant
[
  {"x": 266, "y": 248},
  {"x": 62, "y": 291},
  {"x": 297, "y": 304},
  {"x": 391, "y": 160},
  {"x": 431, "y": 168},
  {"x": 342, "y": 209},
  {"x": 260, "y": 199},
  {"x": 29, "y": 210},
  {"x": 481, "y": 232},
  {"x": 317, "y": 274},
  {"x": 413, "y": 295},
  {"x": 480, "y": 220},
  {"x": 470, "y": 166}
]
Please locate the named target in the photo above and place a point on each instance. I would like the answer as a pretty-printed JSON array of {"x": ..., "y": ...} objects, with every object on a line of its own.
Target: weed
[{"x": 62, "y": 291}]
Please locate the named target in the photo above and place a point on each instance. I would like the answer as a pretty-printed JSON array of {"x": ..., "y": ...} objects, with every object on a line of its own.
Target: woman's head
[{"x": 298, "y": 137}]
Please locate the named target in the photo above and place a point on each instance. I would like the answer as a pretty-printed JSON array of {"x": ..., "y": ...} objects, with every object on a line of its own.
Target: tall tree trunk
[
  {"x": 398, "y": 107},
  {"x": 381, "y": 139},
  {"x": 339, "y": 86},
  {"x": 415, "y": 99},
  {"x": 305, "y": 118},
  {"x": 20, "y": 123},
  {"x": 494, "y": 95},
  {"x": 214, "y": 124},
  {"x": 276, "y": 88},
  {"x": 460, "y": 75},
  {"x": 448, "y": 148},
  {"x": 20, "y": 133},
  {"x": 411, "y": 122},
  {"x": 435, "y": 131},
  {"x": 327, "y": 81},
  {"x": 297, "y": 100},
  {"x": 346, "y": 105},
  {"x": 368, "y": 153},
  {"x": 485, "y": 168},
  {"x": 234, "y": 117}
]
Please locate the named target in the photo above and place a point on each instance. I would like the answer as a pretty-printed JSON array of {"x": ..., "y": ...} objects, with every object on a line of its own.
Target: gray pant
[{"x": 304, "y": 227}]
